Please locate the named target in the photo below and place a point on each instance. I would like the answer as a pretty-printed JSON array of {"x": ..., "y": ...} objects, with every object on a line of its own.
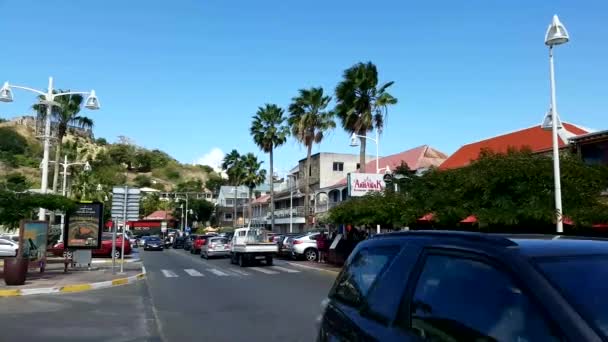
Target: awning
[
  {"x": 428, "y": 217},
  {"x": 469, "y": 219}
]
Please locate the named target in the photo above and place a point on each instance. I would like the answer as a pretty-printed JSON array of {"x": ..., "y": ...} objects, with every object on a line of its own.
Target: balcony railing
[
  {"x": 297, "y": 212},
  {"x": 323, "y": 207}
]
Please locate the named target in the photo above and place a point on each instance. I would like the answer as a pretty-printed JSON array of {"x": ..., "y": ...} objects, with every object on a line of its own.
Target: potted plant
[{"x": 15, "y": 269}]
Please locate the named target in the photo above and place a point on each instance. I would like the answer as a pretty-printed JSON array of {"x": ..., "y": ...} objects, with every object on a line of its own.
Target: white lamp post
[
  {"x": 556, "y": 35},
  {"x": 6, "y": 95},
  {"x": 355, "y": 142}
]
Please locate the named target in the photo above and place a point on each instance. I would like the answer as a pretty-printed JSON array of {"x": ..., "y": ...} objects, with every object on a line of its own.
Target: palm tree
[
  {"x": 269, "y": 130},
  {"x": 233, "y": 165},
  {"x": 362, "y": 106},
  {"x": 309, "y": 121},
  {"x": 254, "y": 175},
  {"x": 65, "y": 114}
]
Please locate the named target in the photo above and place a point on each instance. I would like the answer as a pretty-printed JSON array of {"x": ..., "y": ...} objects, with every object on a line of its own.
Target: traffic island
[{"x": 55, "y": 280}]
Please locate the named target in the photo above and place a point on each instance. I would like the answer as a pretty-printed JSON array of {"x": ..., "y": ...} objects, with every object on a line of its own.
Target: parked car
[
  {"x": 154, "y": 243},
  {"x": 189, "y": 241},
  {"x": 458, "y": 286},
  {"x": 132, "y": 238},
  {"x": 142, "y": 240},
  {"x": 8, "y": 248},
  {"x": 250, "y": 245},
  {"x": 305, "y": 247},
  {"x": 215, "y": 246},
  {"x": 105, "y": 250},
  {"x": 282, "y": 242},
  {"x": 178, "y": 242}
]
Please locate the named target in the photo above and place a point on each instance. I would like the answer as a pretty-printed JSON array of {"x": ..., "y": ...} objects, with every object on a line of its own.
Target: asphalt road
[
  {"x": 183, "y": 298},
  {"x": 116, "y": 314},
  {"x": 213, "y": 300}
]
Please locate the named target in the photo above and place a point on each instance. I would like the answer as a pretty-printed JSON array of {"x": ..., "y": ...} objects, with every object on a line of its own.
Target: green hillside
[{"x": 112, "y": 164}]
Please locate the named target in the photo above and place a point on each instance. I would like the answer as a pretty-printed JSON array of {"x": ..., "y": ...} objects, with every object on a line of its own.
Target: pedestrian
[{"x": 322, "y": 247}]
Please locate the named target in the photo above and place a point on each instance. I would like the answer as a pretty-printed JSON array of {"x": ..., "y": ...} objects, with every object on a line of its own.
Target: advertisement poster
[
  {"x": 360, "y": 184},
  {"x": 33, "y": 240},
  {"x": 84, "y": 226}
]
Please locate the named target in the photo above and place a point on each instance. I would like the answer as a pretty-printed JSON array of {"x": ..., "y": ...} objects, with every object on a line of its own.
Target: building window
[
  {"x": 338, "y": 166},
  {"x": 358, "y": 166},
  {"x": 227, "y": 216},
  {"x": 229, "y": 201}
]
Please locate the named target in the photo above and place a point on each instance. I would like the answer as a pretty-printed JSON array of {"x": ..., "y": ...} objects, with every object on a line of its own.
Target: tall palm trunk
[
  {"x": 307, "y": 187},
  {"x": 271, "y": 192},
  {"x": 235, "y": 202},
  {"x": 362, "y": 155},
  {"x": 55, "y": 176}
]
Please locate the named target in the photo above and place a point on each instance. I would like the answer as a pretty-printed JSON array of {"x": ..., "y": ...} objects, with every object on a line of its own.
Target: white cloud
[{"x": 212, "y": 158}]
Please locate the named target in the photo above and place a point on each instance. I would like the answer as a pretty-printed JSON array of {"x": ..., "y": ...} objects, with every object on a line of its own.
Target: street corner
[{"x": 75, "y": 281}]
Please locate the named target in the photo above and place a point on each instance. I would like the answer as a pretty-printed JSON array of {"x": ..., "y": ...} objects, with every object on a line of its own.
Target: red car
[
  {"x": 198, "y": 243},
  {"x": 105, "y": 250}
]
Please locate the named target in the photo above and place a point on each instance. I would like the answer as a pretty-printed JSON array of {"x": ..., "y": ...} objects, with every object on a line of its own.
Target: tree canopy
[
  {"x": 501, "y": 190},
  {"x": 16, "y": 206}
]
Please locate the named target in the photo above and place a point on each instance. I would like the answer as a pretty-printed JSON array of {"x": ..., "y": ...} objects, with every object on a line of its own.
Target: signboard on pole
[
  {"x": 83, "y": 227},
  {"x": 360, "y": 184},
  {"x": 33, "y": 241},
  {"x": 128, "y": 208}
]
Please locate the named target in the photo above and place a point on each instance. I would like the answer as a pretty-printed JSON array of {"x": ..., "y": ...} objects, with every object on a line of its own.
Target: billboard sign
[
  {"x": 83, "y": 227},
  {"x": 360, "y": 184},
  {"x": 33, "y": 241}
]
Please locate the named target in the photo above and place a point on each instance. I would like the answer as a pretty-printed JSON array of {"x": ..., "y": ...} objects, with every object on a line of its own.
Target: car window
[
  {"x": 5, "y": 243},
  {"x": 220, "y": 241},
  {"x": 458, "y": 299},
  {"x": 359, "y": 276},
  {"x": 582, "y": 280}
]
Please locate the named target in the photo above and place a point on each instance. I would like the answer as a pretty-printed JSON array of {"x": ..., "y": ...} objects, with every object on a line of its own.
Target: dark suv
[{"x": 457, "y": 286}]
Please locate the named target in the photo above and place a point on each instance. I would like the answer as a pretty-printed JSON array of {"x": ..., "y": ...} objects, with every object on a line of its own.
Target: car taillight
[{"x": 297, "y": 242}]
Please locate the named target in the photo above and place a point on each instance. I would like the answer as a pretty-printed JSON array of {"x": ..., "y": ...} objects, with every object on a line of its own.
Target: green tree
[
  {"x": 254, "y": 175},
  {"x": 362, "y": 106},
  {"x": 201, "y": 209},
  {"x": 65, "y": 114},
  {"x": 149, "y": 204},
  {"x": 233, "y": 165},
  {"x": 309, "y": 120},
  {"x": 15, "y": 182},
  {"x": 11, "y": 145},
  {"x": 142, "y": 181},
  {"x": 18, "y": 206},
  {"x": 269, "y": 130},
  {"x": 122, "y": 154},
  {"x": 214, "y": 182},
  {"x": 101, "y": 141},
  {"x": 208, "y": 169},
  {"x": 191, "y": 185}
]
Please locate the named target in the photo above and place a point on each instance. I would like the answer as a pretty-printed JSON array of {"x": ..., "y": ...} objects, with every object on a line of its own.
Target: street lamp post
[
  {"x": 290, "y": 203},
  {"x": 355, "y": 142},
  {"x": 6, "y": 95},
  {"x": 65, "y": 165},
  {"x": 556, "y": 35}
]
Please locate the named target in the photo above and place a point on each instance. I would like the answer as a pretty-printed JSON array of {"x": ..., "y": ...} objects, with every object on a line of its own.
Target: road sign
[
  {"x": 125, "y": 208},
  {"x": 188, "y": 230},
  {"x": 387, "y": 178}
]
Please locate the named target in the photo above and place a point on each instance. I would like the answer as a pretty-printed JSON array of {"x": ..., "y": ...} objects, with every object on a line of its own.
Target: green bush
[{"x": 142, "y": 181}]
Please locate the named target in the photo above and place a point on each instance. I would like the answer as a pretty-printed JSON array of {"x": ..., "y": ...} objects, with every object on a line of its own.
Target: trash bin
[{"x": 15, "y": 271}]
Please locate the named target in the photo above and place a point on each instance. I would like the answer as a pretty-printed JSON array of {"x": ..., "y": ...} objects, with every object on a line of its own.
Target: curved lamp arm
[{"x": 28, "y": 89}]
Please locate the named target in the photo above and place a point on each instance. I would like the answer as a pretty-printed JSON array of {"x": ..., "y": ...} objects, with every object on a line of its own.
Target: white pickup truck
[{"x": 250, "y": 245}]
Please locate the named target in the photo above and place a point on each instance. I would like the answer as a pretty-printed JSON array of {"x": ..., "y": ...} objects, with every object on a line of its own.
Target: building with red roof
[{"x": 534, "y": 138}]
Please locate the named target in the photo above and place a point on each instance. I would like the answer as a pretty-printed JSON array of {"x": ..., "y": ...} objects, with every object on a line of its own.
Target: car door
[
  {"x": 362, "y": 301},
  {"x": 465, "y": 296},
  {"x": 6, "y": 249}
]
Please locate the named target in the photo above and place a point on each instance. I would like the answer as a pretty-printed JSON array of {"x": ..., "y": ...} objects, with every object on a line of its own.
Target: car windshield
[
  {"x": 582, "y": 280},
  {"x": 219, "y": 240},
  {"x": 153, "y": 239}
]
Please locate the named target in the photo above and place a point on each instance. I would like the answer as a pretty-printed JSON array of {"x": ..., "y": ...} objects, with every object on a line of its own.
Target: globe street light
[
  {"x": 48, "y": 97},
  {"x": 556, "y": 35}
]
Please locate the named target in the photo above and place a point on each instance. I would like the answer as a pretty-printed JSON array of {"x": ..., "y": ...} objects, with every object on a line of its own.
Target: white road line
[
  {"x": 217, "y": 272},
  {"x": 288, "y": 270},
  {"x": 169, "y": 274},
  {"x": 239, "y": 272},
  {"x": 263, "y": 270},
  {"x": 193, "y": 272}
]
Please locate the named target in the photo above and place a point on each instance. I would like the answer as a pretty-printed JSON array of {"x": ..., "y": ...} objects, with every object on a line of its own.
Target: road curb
[
  {"x": 313, "y": 268},
  {"x": 71, "y": 288}
]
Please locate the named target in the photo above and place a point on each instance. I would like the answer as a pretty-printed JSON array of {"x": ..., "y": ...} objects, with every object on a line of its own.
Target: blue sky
[{"x": 186, "y": 76}]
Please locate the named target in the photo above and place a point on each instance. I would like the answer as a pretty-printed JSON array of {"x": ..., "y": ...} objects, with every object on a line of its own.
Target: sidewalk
[
  {"x": 54, "y": 280},
  {"x": 316, "y": 265}
]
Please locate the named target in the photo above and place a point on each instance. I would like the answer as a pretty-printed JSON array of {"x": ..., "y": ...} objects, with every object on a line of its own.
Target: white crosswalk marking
[
  {"x": 239, "y": 272},
  {"x": 193, "y": 272},
  {"x": 263, "y": 270},
  {"x": 217, "y": 272},
  {"x": 288, "y": 270},
  {"x": 169, "y": 274}
]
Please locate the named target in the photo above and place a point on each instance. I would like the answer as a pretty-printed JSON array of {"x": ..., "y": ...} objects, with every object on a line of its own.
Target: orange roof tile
[{"x": 535, "y": 138}]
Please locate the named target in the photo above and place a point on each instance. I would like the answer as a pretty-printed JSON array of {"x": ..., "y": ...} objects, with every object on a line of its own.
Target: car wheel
[
  {"x": 269, "y": 260},
  {"x": 242, "y": 261},
  {"x": 117, "y": 254},
  {"x": 311, "y": 254}
]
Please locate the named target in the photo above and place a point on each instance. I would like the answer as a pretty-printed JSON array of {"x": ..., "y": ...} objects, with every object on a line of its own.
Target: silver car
[{"x": 215, "y": 246}]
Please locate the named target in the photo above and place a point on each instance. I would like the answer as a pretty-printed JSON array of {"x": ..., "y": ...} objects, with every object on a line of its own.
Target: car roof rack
[{"x": 454, "y": 234}]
